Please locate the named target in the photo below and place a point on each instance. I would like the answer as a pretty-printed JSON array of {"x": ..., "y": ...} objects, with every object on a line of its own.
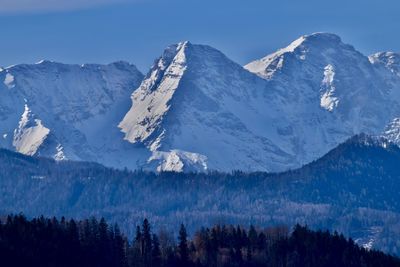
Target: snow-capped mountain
[
  {"x": 328, "y": 91},
  {"x": 66, "y": 111},
  {"x": 198, "y": 110},
  {"x": 279, "y": 112}
]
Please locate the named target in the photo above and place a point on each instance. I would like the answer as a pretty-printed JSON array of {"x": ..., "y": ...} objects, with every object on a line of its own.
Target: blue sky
[{"x": 102, "y": 31}]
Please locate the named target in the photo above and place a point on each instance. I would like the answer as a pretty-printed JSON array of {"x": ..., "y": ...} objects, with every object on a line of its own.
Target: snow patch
[
  {"x": 157, "y": 143},
  {"x": 60, "y": 155},
  {"x": 9, "y": 81},
  {"x": 328, "y": 99},
  {"x": 389, "y": 60},
  {"x": 30, "y": 134},
  {"x": 293, "y": 45},
  {"x": 178, "y": 161},
  {"x": 368, "y": 237},
  {"x": 392, "y": 131},
  {"x": 43, "y": 61}
]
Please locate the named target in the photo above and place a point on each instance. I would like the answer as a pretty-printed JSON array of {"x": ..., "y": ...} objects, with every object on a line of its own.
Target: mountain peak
[
  {"x": 193, "y": 92},
  {"x": 171, "y": 50},
  {"x": 120, "y": 63},
  {"x": 44, "y": 61},
  {"x": 319, "y": 43},
  {"x": 323, "y": 36},
  {"x": 184, "y": 44},
  {"x": 187, "y": 48},
  {"x": 318, "y": 38},
  {"x": 152, "y": 100}
]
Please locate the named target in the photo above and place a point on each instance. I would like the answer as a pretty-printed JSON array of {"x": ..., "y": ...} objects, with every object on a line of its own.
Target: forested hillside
[
  {"x": 51, "y": 242},
  {"x": 353, "y": 189}
]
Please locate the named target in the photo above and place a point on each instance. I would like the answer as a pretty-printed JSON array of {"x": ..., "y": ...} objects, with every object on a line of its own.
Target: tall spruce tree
[
  {"x": 155, "y": 252},
  {"x": 146, "y": 243},
  {"x": 183, "y": 246}
]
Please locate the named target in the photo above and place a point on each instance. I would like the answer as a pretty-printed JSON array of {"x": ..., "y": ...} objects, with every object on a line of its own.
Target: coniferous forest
[
  {"x": 91, "y": 242},
  {"x": 353, "y": 190}
]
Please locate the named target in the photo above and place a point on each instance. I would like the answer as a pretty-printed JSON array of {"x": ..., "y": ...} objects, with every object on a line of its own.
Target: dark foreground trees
[{"x": 52, "y": 242}]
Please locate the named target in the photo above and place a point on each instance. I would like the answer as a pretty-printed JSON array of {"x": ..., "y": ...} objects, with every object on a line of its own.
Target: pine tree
[
  {"x": 183, "y": 246},
  {"x": 72, "y": 243},
  {"x": 146, "y": 243},
  {"x": 138, "y": 238},
  {"x": 156, "y": 252},
  {"x": 104, "y": 241},
  {"x": 119, "y": 248},
  {"x": 135, "y": 251},
  {"x": 253, "y": 237}
]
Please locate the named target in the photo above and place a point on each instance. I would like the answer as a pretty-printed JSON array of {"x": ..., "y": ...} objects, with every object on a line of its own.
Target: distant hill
[{"x": 353, "y": 189}]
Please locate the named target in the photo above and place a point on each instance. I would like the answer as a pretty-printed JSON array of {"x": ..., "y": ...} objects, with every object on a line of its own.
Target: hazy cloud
[{"x": 22, "y": 6}]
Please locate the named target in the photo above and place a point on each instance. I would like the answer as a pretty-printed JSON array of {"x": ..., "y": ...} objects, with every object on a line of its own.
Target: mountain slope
[{"x": 66, "y": 111}]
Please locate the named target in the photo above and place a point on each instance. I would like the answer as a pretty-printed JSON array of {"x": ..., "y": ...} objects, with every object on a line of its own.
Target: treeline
[{"x": 52, "y": 242}]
